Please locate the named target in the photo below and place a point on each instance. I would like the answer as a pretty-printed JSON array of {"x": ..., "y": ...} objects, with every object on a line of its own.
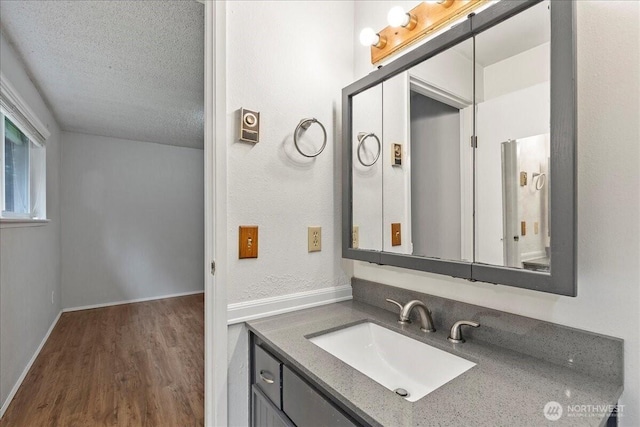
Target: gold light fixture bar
[{"x": 430, "y": 17}]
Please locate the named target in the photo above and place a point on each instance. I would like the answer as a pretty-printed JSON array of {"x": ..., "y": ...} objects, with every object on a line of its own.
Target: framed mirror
[{"x": 474, "y": 124}]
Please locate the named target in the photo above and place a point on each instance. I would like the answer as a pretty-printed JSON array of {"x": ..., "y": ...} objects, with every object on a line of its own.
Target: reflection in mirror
[
  {"x": 366, "y": 145},
  {"x": 429, "y": 194},
  {"x": 396, "y": 166},
  {"x": 513, "y": 129},
  {"x": 525, "y": 201}
]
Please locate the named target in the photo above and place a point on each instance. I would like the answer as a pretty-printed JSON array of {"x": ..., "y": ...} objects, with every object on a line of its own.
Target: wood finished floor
[{"x": 129, "y": 365}]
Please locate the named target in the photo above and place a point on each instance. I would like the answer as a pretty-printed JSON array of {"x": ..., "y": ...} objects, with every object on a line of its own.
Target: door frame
[{"x": 215, "y": 198}]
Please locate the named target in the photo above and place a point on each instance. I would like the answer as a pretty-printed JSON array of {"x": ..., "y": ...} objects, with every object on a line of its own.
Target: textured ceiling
[{"x": 125, "y": 69}]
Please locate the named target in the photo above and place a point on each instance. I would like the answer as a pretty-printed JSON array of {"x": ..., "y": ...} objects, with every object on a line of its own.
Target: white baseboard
[
  {"x": 18, "y": 383},
  {"x": 131, "y": 301},
  {"x": 251, "y": 310}
]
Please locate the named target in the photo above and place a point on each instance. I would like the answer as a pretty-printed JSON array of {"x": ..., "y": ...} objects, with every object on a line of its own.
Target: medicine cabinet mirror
[{"x": 459, "y": 157}]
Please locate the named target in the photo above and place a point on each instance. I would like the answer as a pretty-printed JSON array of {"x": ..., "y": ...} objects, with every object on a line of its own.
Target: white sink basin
[{"x": 392, "y": 359}]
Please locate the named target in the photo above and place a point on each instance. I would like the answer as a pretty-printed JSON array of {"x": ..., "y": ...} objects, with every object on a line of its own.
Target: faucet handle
[
  {"x": 455, "y": 335},
  {"x": 400, "y": 306},
  {"x": 403, "y": 318}
]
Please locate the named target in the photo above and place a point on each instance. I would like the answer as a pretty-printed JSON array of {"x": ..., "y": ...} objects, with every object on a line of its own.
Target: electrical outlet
[
  {"x": 248, "y": 242},
  {"x": 355, "y": 237},
  {"x": 315, "y": 239}
]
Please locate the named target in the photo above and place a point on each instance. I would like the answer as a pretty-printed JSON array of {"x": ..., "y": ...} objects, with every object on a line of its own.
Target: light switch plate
[
  {"x": 248, "y": 241},
  {"x": 314, "y": 239},
  {"x": 523, "y": 228},
  {"x": 396, "y": 234}
]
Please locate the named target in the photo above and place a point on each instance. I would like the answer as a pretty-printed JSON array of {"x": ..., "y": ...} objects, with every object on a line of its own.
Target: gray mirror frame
[{"x": 562, "y": 279}]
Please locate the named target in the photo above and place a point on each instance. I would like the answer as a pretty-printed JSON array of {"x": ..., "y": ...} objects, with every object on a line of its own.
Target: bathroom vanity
[
  {"x": 458, "y": 159},
  {"x": 519, "y": 365},
  {"x": 280, "y": 397}
]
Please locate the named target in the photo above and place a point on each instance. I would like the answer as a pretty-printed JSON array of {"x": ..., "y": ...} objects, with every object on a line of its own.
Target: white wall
[
  {"x": 132, "y": 220},
  {"x": 500, "y": 79},
  {"x": 288, "y": 60},
  {"x": 289, "y": 66},
  {"x": 608, "y": 300},
  {"x": 29, "y": 256}
]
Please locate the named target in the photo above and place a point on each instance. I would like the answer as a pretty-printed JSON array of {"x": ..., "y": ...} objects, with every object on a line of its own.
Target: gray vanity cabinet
[
  {"x": 306, "y": 407},
  {"x": 281, "y": 398}
]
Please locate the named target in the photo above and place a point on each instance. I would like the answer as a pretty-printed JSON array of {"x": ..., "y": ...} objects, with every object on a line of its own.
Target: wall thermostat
[{"x": 249, "y": 126}]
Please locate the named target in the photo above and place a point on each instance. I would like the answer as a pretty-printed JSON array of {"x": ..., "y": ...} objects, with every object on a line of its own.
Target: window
[
  {"x": 23, "y": 174},
  {"x": 16, "y": 170},
  {"x": 22, "y": 158}
]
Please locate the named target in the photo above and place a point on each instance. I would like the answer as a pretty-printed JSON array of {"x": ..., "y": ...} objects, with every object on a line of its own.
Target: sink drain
[{"x": 401, "y": 392}]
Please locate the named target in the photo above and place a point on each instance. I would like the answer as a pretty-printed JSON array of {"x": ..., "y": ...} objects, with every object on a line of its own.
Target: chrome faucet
[{"x": 426, "y": 322}]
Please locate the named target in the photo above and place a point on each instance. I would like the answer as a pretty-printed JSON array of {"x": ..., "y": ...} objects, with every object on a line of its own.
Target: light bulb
[
  {"x": 368, "y": 37},
  {"x": 397, "y": 17}
]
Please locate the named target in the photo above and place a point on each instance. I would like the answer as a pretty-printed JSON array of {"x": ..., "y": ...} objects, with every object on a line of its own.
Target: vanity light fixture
[
  {"x": 397, "y": 17},
  {"x": 368, "y": 37},
  {"x": 406, "y": 28}
]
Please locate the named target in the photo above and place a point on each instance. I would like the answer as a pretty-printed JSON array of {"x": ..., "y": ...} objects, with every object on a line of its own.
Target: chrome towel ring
[
  {"x": 362, "y": 137},
  {"x": 540, "y": 179},
  {"x": 304, "y": 125}
]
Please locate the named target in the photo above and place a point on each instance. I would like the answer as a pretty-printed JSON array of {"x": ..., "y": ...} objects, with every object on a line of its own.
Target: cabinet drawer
[
  {"x": 267, "y": 375},
  {"x": 306, "y": 407}
]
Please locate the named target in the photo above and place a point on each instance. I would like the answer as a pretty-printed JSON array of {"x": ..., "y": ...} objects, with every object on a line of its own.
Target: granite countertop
[{"x": 504, "y": 388}]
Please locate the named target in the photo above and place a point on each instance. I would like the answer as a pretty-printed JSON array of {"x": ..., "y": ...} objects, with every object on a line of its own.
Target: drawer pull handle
[{"x": 267, "y": 377}]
